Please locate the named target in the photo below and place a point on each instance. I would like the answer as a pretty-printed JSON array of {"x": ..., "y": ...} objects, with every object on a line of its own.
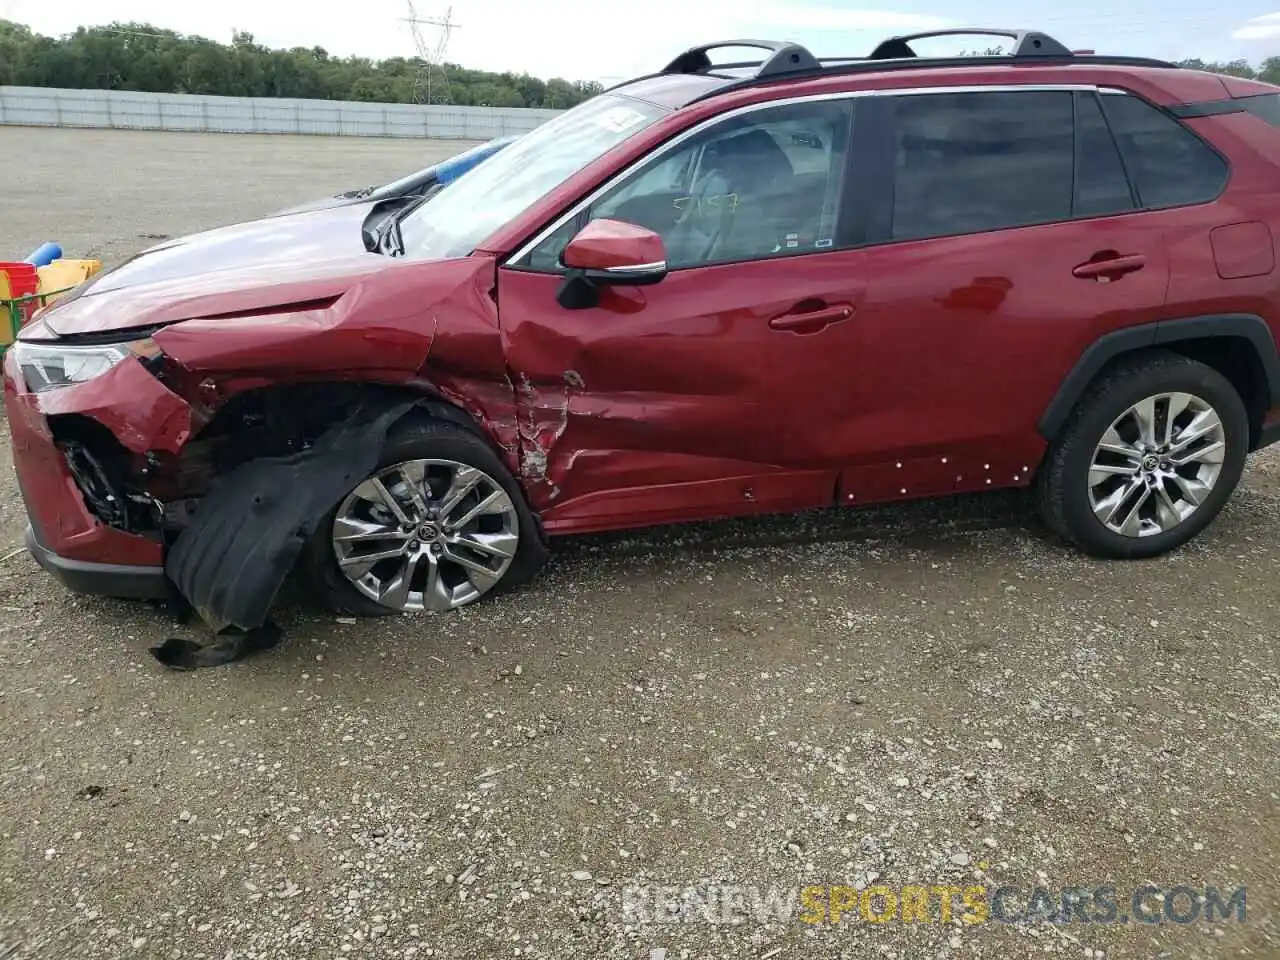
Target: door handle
[
  {"x": 1110, "y": 269},
  {"x": 812, "y": 321}
]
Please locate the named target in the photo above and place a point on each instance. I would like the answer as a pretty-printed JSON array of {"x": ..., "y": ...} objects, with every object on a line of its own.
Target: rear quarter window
[{"x": 1169, "y": 165}]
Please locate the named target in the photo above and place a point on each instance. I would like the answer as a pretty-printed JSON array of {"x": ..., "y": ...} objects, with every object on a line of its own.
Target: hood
[
  {"x": 262, "y": 264},
  {"x": 351, "y": 199}
]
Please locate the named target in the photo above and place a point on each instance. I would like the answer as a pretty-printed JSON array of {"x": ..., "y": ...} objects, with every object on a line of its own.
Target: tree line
[
  {"x": 138, "y": 56},
  {"x": 1268, "y": 71}
]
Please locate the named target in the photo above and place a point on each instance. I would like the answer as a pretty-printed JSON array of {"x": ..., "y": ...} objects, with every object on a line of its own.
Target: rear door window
[
  {"x": 972, "y": 162},
  {"x": 1169, "y": 165},
  {"x": 1102, "y": 187}
]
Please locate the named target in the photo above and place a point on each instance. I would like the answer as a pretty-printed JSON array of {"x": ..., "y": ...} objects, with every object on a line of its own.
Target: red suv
[{"x": 717, "y": 290}]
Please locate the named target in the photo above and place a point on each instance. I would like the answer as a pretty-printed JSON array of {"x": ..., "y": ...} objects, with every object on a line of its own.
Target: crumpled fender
[
  {"x": 385, "y": 324},
  {"x": 431, "y": 326},
  {"x": 141, "y": 411}
]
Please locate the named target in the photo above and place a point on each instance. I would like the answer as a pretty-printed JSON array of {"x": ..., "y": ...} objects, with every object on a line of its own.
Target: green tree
[
  {"x": 1236, "y": 68},
  {"x": 138, "y": 56}
]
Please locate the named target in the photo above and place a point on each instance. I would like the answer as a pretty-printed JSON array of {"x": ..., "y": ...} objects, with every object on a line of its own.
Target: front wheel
[
  {"x": 438, "y": 525},
  {"x": 1150, "y": 456}
]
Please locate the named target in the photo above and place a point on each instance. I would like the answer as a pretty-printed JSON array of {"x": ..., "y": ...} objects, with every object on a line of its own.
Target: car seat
[{"x": 727, "y": 209}]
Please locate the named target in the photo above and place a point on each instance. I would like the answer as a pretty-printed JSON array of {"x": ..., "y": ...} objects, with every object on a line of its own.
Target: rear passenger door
[{"x": 1002, "y": 239}]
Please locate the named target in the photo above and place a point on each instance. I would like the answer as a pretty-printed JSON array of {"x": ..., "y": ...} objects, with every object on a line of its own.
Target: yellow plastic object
[{"x": 61, "y": 274}]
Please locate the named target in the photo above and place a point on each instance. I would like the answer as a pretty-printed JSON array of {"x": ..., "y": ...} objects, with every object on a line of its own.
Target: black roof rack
[
  {"x": 789, "y": 60},
  {"x": 784, "y": 57},
  {"x": 1026, "y": 43}
]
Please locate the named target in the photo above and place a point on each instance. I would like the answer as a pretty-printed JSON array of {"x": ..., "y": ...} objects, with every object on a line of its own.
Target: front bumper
[
  {"x": 100, "y": 579},
  {"x": 65, "y": 533}
]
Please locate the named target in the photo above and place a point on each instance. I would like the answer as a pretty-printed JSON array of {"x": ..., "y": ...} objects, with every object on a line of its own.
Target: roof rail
[
  {"x": 787, "y": 59},
  {"x": 1026, "y": 43},
  {"x": 784, "y": 58}
]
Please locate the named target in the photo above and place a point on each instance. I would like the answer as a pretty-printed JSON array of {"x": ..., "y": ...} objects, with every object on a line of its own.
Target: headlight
[{"x": 48, "y": 366}]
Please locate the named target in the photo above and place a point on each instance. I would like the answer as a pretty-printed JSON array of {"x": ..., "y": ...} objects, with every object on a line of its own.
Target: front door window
[{"x": 764, "y": 184}]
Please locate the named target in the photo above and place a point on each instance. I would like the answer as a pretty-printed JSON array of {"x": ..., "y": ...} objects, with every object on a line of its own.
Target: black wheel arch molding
[{"x": 1237, "y": 326}]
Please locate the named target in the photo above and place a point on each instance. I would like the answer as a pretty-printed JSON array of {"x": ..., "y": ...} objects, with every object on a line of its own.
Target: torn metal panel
[
  {"x": 542, "y": 419},
  {"x": 246, "y": 537},
  {"x": 138, "y": 409},
  {"x": 492, "y": 407}
]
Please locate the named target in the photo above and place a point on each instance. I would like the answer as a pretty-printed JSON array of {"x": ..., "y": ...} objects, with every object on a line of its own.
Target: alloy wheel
[
  {"x": 426, "y": 535},
  {"x": 1156, "y": 464}
]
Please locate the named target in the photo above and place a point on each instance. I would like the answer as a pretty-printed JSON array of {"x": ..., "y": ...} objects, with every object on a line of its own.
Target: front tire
[
  {"x": 438, "y": 525},
  {"x": 1147, "y": 460}
]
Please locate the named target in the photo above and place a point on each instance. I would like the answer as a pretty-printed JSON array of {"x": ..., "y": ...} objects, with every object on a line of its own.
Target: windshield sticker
[{"x": 620, "y": 119}]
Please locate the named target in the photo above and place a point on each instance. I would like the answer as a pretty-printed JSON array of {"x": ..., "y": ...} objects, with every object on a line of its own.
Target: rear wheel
[
  {"x": 1148, "y": 459},
  {"x": 437, "y": 526}
]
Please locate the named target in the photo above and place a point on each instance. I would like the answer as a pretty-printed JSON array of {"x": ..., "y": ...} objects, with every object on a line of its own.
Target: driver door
[{"x": 721, "y": 389}]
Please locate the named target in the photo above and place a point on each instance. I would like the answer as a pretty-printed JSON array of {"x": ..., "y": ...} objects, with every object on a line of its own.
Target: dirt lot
[{"x": 935, "y": 695}]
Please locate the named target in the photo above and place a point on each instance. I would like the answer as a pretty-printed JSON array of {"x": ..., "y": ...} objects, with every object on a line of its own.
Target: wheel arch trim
[{"x": 1240, "y": 326}]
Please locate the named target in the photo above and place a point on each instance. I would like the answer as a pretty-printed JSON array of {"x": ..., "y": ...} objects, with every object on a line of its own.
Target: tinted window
[
  {"x": 1101, "y": 185},
  {"x": 969, "y": 162},
  {"x": 1169, "y": 165},
  {"x": 764, "y": 184}
]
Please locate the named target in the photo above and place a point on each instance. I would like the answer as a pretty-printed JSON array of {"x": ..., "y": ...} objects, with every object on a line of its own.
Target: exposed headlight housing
[{"x": 49, "y": 366}]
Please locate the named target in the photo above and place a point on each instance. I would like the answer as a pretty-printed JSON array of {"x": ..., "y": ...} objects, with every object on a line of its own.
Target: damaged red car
[{"x": 722, "y": 289}]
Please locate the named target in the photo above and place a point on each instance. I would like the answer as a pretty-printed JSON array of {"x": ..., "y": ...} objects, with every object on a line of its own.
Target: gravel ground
[{"x": 934, "y": 694}]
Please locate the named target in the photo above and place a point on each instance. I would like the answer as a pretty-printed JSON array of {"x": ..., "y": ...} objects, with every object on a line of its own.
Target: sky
[{"x": 610, "y": 40}]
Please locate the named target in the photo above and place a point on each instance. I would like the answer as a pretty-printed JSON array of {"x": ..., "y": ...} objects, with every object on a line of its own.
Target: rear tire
[
  {"x": 453, "y": 456},
  {"x": 1081, "y": 486}
]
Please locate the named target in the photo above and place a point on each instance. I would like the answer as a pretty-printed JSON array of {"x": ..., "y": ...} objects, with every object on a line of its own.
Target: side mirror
[{"x": 609, "y": 253}]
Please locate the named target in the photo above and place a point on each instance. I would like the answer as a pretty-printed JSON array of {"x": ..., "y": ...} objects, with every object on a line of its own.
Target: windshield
[{"x": 471, "y": 208}]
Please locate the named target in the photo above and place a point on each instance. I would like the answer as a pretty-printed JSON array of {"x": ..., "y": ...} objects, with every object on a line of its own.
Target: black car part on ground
[{"x": 179, "y": 653}]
